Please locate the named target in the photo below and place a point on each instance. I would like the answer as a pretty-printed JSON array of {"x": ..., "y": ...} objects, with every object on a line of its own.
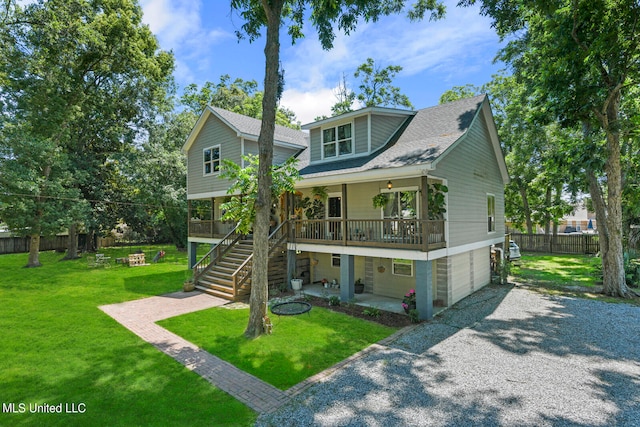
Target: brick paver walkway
[{"x": 140, "y": 316}]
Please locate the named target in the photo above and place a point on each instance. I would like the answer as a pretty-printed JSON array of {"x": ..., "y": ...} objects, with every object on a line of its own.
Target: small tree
[{"x": 244, "y": 189}]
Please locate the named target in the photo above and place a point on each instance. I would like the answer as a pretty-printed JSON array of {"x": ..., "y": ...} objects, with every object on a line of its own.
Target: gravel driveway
[{"x": 503, "y": 356}]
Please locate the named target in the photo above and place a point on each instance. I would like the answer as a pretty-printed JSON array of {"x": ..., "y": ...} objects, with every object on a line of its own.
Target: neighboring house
[
  {"x": 352, "y": 158},
  {"x": 580, "y": 220}
]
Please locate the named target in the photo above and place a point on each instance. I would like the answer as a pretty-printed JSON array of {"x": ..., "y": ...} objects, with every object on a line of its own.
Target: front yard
[
  {"x": 58, "y": 348},
  {"x": 61, "y": 351}
]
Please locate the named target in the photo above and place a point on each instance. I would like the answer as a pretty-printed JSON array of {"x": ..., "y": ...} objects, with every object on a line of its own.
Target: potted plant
[
  {"x": 380, "y": 200},
  {"x": 325, "y": 283},
  {"x": 188, "y": 285},
  {"x": 358, "y": 286},
  {"x": 409, "y": 301}
]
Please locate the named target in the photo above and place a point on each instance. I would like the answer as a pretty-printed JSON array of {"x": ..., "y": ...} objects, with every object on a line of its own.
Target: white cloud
[
  {"x": 457, "y": 45},
  {"x": 309, "y": 104},
  {"x": 178, "y": 26}
]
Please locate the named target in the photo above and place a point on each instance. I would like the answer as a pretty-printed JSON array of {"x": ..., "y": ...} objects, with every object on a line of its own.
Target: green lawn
[
  {"x": 59, "y": 348},
  {"x": 299, "y": 347},
  {"x": 556, "y": 271}
]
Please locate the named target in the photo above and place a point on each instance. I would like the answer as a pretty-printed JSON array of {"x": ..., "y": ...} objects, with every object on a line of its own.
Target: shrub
[
  {"x": 334, "y": 301},
  {"x": 372, "y": 312},
  {"x": 414, "y": 316}
]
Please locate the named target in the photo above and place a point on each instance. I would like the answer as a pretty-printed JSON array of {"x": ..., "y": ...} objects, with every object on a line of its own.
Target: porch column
[
  {"x": 343, "y": 222},
  {"x": 424, "y": 290},
  {"x": 346, "y": 277},
  {"x": 424, "y": 211},
  {"x": 291, "y": 266},
  {"x": 192, "y": 248}
]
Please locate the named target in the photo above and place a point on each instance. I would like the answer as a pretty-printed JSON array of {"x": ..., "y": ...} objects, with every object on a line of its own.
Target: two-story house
[{"x": 436, "y": 175}]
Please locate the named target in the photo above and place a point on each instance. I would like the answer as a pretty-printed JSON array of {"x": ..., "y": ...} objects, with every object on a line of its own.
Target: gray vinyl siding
[
  {"x": 213, "y": 132},
  {"x": 280, "y": 154},
  {"x": 315, "y": 142},
  {"x": 470, "y": 271},
  {"x": 361, "y": 134},
  {"x": 472, "y": 171},
  {"x": 383, "y": 128}
]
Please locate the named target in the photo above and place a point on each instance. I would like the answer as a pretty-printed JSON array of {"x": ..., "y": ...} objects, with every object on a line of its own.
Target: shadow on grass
[{"x": 156, "y": 283}]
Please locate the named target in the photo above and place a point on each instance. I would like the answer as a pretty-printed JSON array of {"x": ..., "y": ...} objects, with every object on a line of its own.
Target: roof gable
[{"x": 246, "y": 127}]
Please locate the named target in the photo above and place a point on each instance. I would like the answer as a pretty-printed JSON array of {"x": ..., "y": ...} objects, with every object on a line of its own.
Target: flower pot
[
  {"x": 188, "y": 286},
  {"x": 296, "y": 284},
  {"x": 411, "y": 306},
  {"x": 359, "y": 288}
]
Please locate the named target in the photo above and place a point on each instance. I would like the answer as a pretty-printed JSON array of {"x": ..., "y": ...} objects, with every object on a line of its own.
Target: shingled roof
[
  {"x": 422, "y": 138},
  {"x": 247, "y": 127}
]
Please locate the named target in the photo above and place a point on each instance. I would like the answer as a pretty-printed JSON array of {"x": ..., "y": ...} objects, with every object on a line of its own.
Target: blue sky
[{"x": 435, "y": 56}]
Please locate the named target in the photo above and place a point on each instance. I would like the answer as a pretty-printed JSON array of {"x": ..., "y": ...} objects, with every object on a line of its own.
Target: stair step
[
  {"x": 222, "y": 295},
  {"x": 216, "y": 281}
]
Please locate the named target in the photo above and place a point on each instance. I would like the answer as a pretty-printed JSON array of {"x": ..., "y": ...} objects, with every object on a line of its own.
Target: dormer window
[
  {"x": 337, "y": 141},
  {"x": 211, "y": 160}
]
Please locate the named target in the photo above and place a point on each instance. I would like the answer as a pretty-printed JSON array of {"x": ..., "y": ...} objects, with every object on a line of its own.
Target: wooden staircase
[
  {"x": 225, "y": 271},
  {"x": 219, "y": 279}
]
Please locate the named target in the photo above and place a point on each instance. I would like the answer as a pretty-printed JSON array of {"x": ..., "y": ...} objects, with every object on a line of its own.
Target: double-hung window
[
  {"x": 211, "y": 159},
  {"x": 401, "y": 204},
  {"x": 337, "y": 141},
  {"x": 491, "y": 213}
]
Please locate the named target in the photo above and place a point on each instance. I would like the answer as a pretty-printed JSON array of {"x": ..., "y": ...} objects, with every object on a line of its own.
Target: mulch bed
[{"x": 386, "y": 318}]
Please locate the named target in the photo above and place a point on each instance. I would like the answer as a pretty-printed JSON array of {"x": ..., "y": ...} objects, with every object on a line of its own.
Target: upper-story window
[
  {"x": 337, "y": 141},
  {"x": 211, "y": 158},
  {"x": 491, "y": 213}
]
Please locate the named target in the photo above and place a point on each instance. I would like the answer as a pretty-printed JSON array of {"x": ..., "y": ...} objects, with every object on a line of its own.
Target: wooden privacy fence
[
  {"x": 13, "y": 245},
  {"x": 560, "y": 244}
]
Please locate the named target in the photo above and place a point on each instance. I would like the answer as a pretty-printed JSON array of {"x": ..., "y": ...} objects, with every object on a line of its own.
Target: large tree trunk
[
  {"x": 526, "y": 208},
  {"x": 547, "y": 215},
  {"x": 259, "y": 276},
  {"x": 609, "y": 211},
  {"x": 34, "y": 250},
  {"x": 72, "y": 246}
]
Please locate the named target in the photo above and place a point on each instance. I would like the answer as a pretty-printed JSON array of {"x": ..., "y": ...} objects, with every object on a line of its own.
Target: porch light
[{"x": 389, "y": 185}]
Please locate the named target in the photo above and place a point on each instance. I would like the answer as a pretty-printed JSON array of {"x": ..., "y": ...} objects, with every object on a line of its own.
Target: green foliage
[
  {"x": 436, "y": 200},
  {"x": 380, "y": 200},
  {"x": 334, "y": 300},
  {"x": 632, "y": 268},
  {"x": 414, "y": 315},
  {"x": 375, "y": 89},
  {"x": 372, "y": 312},
  {"x": 79, "y": 79},
  {"x": 244, "y": 188},
  {"x": 460, "y": 92},
  {"x": 239, "y": 96}
]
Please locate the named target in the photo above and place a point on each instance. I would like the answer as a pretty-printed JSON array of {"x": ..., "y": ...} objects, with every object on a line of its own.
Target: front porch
[
  {"x": 366, "y": 299},
  {"x": 415, "y": 234}
]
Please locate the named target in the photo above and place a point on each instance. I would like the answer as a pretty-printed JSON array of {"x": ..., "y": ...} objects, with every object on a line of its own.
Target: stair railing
[
  {"x": 215, "y": 254},
  {"x": 276, "y": 238}
]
